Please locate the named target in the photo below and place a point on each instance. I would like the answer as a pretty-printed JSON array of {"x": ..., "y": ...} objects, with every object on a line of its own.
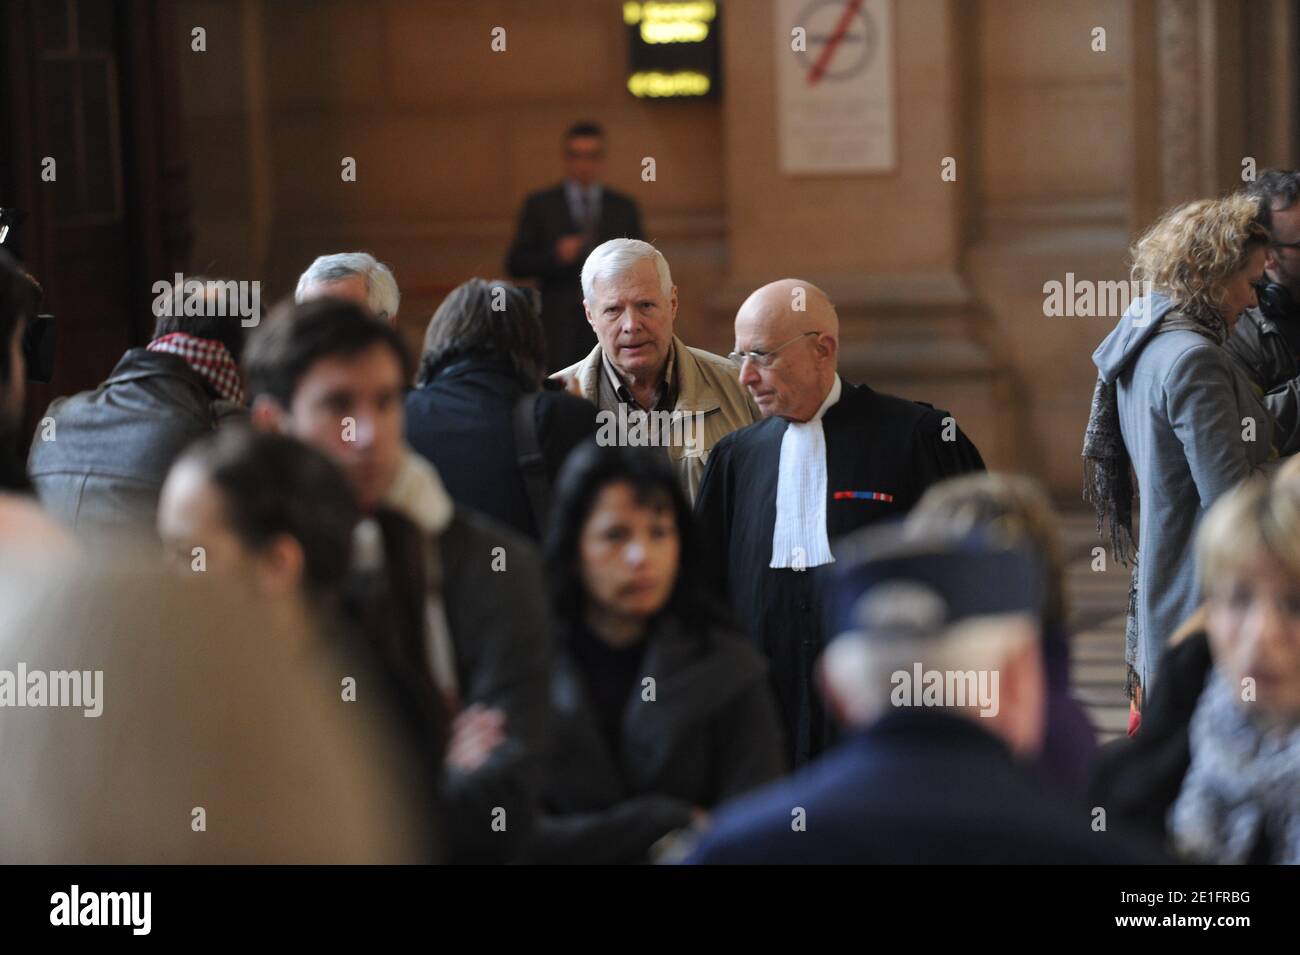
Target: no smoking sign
[{"x": 835, "y": 86}]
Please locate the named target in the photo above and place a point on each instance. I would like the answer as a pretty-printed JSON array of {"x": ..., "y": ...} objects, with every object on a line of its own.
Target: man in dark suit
[
  {"x": 558, "y": 229},
  {"x": 936, "y": 669}
]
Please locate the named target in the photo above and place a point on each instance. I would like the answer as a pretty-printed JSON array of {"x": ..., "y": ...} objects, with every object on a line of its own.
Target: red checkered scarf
[{"x": 210, "y": 359}]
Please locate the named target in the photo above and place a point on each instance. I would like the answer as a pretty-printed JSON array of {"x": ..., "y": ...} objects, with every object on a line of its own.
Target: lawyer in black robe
[{"x": 882, "y": 453}]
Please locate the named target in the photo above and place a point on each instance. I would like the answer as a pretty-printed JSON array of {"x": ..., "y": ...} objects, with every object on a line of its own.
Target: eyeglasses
[{"x": 764, "y": 359}]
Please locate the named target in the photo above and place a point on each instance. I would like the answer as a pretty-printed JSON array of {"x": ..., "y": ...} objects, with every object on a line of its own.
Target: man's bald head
[
  {"x": 793, "y": 324},
  {"x": 786, "y": 308}
]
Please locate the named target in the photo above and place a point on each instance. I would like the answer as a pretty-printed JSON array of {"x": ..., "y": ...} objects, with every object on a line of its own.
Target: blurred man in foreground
[{"x": 936, "y": 671}]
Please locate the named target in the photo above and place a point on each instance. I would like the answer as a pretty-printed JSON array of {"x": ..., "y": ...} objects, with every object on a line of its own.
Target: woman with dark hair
[
  {"x": 659, "y": 713},
  {"x": 479, "y": 411},
  {"x": 282, "y": 517},
  {"x": 261, "y": 505}
]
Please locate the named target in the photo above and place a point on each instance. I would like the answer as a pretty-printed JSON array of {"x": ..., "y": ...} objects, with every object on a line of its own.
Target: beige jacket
[{"x": 711, "y": 403}]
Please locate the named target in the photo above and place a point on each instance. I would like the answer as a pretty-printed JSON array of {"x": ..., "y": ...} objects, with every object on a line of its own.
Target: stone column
[{"x": 886, "y": 247}]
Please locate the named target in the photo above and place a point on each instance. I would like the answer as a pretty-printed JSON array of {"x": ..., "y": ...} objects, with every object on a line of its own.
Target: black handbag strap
[{"x": 528, "y": 453}]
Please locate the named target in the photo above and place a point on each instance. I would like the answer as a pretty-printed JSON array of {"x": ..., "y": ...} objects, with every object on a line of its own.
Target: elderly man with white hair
[
  {"x": 649, "y": 386},
  {"x": 354, "y": 277}
]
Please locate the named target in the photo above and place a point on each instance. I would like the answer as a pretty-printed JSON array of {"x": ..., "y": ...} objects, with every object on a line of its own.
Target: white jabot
[
  {"x": 419, "y": 495},
  {"x": 799, "y": 538}
]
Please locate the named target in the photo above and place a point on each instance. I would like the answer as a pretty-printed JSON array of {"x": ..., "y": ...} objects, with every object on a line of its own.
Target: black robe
[{"x": 877, "y": 445}]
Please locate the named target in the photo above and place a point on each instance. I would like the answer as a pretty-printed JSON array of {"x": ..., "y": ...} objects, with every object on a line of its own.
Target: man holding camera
[
  {"x": 1266, "y": 341},
  {"x": 25, "y": 533}
]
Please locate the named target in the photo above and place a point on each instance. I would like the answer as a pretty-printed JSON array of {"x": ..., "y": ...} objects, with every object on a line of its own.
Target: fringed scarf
[{"x": 1107, "y": 471}]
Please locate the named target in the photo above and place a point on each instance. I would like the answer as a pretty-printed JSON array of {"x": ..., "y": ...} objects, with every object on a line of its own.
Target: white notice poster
[{"x": 835, "y": 86}]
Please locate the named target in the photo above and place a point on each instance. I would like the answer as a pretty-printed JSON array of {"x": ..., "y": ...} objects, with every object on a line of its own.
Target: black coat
[
  {"x": 710, "y": 733},
  {"x": 1264, "y": 347},
  {"x": 874, "y": 442},
  {"x": 113, "y": 446},
  {"x": 1258, "y": 342},
  {"x": 546, "y": 218},
  {"x": 462, "y": 421},
  {"x": 919, "y": 787},
  {"x": 500, "y": 634},
  {"x": 1138, "y": 779}
]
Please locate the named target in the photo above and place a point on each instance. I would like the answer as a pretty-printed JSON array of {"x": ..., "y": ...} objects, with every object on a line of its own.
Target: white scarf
[
  {"x": 419, "y": 495},
  {"x": 799, "y": 538}
]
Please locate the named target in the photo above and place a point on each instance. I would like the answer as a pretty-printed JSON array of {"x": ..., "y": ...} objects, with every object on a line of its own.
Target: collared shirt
[
  {"x": 832, "y": 396},
  {"x": 705, "y": 394},
  {"x": 613, "y": 391},
  {"x": 614, "y": 396}
]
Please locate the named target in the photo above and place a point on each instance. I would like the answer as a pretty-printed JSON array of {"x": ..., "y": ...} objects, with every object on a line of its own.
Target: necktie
[{"x": 585, "y": 224}]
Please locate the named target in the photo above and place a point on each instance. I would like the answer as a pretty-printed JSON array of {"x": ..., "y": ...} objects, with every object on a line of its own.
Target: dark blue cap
[{"x": 946, "y": 577}]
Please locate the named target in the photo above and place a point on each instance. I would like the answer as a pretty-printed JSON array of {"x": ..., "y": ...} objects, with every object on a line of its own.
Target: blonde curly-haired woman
[{"x": 1173, "y": 403}]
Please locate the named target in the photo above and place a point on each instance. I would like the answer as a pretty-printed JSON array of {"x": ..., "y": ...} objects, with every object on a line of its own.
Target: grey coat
[
  {"x": 105, "y": 460},
  {"x": 1194, "y": 428}
]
